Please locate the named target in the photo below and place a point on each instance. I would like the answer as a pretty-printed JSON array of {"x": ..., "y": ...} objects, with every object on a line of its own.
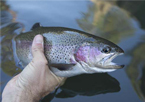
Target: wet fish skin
[{"x": 63, "y": 48}]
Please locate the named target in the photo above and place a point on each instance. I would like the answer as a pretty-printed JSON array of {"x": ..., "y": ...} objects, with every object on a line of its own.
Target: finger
[{"x": 38, "y": 48}]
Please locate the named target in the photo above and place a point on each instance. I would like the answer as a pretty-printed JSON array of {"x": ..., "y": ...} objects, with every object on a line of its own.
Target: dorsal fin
[{"x": 36, "y": 25}]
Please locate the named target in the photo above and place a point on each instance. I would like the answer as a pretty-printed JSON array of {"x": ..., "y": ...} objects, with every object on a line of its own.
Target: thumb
[{"x": 37, "y": 47}]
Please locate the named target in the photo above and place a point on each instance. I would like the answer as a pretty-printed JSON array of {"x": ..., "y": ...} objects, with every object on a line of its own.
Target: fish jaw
[
  {"x": 89, "y": 69},
  {"x": 108, "y": 64}
]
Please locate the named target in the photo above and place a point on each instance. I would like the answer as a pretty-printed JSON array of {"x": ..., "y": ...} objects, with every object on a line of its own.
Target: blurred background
[{"x": 122, "y": 22}]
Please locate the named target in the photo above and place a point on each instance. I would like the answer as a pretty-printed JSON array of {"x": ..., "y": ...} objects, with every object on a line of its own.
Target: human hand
[{"x": 35, "y": 81}]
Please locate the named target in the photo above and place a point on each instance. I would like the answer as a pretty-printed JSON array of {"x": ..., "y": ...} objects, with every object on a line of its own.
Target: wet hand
[{"x": 35, "y": 81}]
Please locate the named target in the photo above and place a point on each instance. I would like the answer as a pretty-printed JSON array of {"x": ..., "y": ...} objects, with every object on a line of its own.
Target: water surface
[{"x": 121, "y": 22}]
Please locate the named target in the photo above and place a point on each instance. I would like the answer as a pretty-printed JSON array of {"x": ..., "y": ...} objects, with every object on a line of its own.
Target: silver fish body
[{"x": 70, "y": 52}]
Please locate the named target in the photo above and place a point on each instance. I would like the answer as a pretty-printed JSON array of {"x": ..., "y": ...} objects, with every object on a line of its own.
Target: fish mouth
[{"x": 108, "y": 64}]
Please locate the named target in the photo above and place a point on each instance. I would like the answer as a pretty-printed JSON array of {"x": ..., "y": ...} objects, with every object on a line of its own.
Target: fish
[{"x": 69, "y": 52}]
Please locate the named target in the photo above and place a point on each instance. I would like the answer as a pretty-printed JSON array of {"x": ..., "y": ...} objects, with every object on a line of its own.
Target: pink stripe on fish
[
  {"x": 82, "y": 53},
  {"x": 93, "y": 53},
  {"x": 86, "y": 53},
  {"x": 27, "y": 44}
]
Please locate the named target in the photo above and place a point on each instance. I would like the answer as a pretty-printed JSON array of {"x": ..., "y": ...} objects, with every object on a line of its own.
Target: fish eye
[{"x": 106, "y": 50}]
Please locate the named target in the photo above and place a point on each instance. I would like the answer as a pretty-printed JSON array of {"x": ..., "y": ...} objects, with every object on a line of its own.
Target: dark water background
[{"x": 122, "y": 22}]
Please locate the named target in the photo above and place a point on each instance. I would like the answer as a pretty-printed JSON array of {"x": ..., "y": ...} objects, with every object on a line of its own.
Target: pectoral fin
[
  {"x": 62, "y": 66},
  {"x": 70, "y": 70}
]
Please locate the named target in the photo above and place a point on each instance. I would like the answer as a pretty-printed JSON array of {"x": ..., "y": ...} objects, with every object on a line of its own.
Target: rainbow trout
[{"x": 69, "y": 51}]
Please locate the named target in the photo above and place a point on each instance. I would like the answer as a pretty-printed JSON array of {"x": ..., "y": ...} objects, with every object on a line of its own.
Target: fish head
[{"x": 98, "y": 55}]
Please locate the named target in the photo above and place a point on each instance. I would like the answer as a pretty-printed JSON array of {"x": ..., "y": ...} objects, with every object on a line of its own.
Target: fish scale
[
  {"x": 64, "y": 45},
  {"x": 59, "y": 48}
]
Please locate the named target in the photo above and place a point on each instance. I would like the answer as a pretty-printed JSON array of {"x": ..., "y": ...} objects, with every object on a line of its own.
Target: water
[{"x": 121, "y": 22}]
